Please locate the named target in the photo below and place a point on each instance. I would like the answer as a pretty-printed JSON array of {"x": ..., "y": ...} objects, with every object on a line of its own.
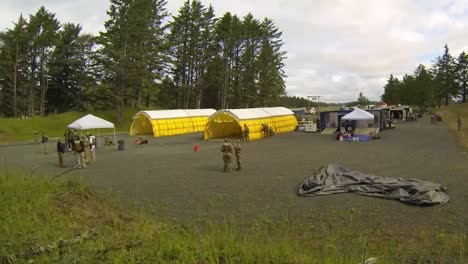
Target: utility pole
[{"x": 313, "y": 98}]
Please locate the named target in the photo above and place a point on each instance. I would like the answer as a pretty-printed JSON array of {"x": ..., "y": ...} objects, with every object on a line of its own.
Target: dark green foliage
[
  {"x": 444, "y": 77},
  {"x": 42, "y": 29},
  {"x": 131, "y": 51},
  {"x": 294, "y": 101},
  {"x": 270, "y": 64},
  {"x": 14, "y": 69},
  {"x": 142, "y": 59},
  {"x": 392, "y": 91},
  {"x": 69, "y": 70},
  {"x": 444, "y": 82},
  {"x": 362, "y": 100},
  {"x": 461, "y": 74},
  {"x": 226, "y": 62}
]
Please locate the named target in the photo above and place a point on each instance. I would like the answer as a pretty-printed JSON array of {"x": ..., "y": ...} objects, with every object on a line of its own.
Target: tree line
[
  {"x": 144, "y": 58},
  {"x": 444, "y": 82}
]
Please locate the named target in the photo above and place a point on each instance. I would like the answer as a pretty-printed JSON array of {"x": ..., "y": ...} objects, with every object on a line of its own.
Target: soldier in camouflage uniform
[
  {"x": 78, "y": 147},
  {"x": 87, "y": 154},
  {"x": 227, "y": 150},
  {"x": 237, "y": 148},
  {"x": 246, "y": 133}
]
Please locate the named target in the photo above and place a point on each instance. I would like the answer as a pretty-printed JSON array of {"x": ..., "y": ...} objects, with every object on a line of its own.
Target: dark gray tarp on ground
[{"x": 333, "y": 179}]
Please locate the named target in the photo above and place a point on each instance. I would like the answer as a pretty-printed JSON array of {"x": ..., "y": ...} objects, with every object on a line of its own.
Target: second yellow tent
[{"x": 230, "y": 122}]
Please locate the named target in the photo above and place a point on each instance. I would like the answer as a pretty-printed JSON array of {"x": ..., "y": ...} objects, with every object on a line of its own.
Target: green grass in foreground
[
  {"x": 54, "y": 125},
  {"x": 37, "y": 212},
  {"x": 450, "y": 114}
]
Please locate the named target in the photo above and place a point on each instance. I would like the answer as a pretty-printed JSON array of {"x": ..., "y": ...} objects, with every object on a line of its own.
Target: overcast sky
[{"x": 336, "y": 48}]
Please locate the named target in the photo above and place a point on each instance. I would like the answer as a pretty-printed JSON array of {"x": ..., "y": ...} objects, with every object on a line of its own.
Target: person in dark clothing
[
  {"x": 44, "y": 141},
  {"x": 61, "y": 152},
  {"x": 68, "y": 140}
]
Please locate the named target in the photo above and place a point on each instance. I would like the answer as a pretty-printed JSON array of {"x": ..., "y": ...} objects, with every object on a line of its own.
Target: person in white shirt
[{"x": 92, "y": 147}]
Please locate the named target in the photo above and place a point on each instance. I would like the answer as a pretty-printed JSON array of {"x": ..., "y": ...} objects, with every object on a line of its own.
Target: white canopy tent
[
  {"x": 358, "y": 114},
  {"x": 92, "y": 122}
]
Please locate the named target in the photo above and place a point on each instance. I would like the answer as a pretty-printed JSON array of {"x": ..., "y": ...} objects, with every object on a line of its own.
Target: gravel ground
[{"x": 167, "y": 177}]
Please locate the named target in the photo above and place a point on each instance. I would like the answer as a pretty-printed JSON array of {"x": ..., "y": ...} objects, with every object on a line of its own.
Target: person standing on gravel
[
  {"x": 87, "y": 155},
  {"x": 61, "y": 152},
  {"x": 459, "y": 123},
  {"x": 227, "y": 150},
  {"x": 79, "y": 148},
  {"x": 246, "y": 133},
  {"x": 237, "y": 149},
  {"x": 92, "y": 147},
  {"x": 44, "y": 141}
]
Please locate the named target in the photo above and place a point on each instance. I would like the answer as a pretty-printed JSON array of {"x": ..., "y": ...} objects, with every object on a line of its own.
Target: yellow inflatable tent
[
  {"x": 169, "y": 122},
  {"x": 230, "y": 122}
]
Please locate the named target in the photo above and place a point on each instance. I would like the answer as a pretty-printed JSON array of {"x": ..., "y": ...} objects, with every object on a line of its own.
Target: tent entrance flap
[
  {"x": 224, "y": 125},
  {"x": 142, "y": 126}
]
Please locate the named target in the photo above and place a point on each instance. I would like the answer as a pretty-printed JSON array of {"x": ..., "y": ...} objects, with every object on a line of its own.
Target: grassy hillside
[
  {"x": 450, "y": 114},
  {"x": 63, "y": 222},
  {"x": 12, "y": 130}
]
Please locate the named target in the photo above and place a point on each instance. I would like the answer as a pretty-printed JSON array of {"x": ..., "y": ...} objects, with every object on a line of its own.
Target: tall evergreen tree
[
  {"x": 362, "y": 100},
  {"x": 14, "y": 68},
  {"x": 207, "y": 50},
  {"x": 248, "y": 70},
  {"x": 200, "y": 61},
  {"x": 179, "y": 38},
  {"x": 407, "y": 89},
  {"x": 462, "y": 74},
  {"x": 392, "y": 90},
  {"x": 130, "y": 51},
  {"x": 113, "y": 54},
  {"x": 213, "y": 82},
  {"x": 271, "y": 63},
  {"x": 229, "y": 41},
  {"x": 444, "y": 77},
  {"x": 423, "y": 94},
  {"x": 192, "y": 48},
  {"x": 42, "y": 27},
  {"x": 146, "y": 48},
  {"x": 68, "y": 68}
]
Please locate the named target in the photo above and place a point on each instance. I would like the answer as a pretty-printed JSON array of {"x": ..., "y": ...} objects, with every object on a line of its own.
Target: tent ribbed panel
[
  {"x": 230, "y": 122},
  {"x": 170, "y": 122}
]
